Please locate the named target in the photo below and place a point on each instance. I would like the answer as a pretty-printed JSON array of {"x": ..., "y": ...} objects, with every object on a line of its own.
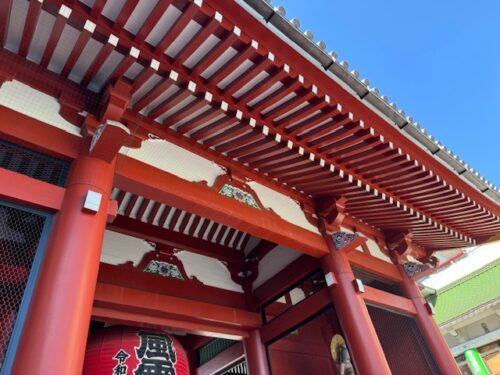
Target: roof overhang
[{"x": 216, "y": 78}]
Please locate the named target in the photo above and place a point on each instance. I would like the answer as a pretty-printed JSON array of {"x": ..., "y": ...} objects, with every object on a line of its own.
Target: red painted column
[
  {"x": 362, "y": 340},
  {"x": 56, "y": 329},
  {"x": 433, "y": 337},
  {"x": 255, "y": 353}
]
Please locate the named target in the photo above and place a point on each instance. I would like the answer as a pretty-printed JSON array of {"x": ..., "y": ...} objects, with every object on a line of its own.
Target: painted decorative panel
[
  {"x": 342, "y": 239},
  {"x": 413, "y": 268},
  {"x": 238, "y": 194},
  {"x": 164, "y": 269}
]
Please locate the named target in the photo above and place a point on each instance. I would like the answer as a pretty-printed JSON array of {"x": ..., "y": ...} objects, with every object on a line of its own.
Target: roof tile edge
[{"x": 371, "y": 95}]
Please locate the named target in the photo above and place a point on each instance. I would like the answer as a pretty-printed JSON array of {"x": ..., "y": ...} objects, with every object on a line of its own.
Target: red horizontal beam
[
  {"x": 142, "y": 179},
  {"x": 116, "y": 315},
  {"x": 388, "y": 300},
  {"x": 294, "y": 316},
  {"x": 285, "y": 279},
  {"x": 26, "y": 190},
  {"x": 128, "y": 276},
  {"x": 373, "y": 265},
  {"x": 142, "y": 307},
  {"x": 37, "y": 135}
]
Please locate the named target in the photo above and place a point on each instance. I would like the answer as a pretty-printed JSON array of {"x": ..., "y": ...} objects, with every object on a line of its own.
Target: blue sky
[{"x": 438, "y": 60}]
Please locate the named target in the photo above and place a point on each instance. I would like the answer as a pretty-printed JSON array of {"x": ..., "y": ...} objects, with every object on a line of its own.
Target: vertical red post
[
  {"x": 56, "y": 329},
  {"x": 433, "y": 337},
  {"x": 362, "y": 340},
  {"x": 255, "y": 353}
]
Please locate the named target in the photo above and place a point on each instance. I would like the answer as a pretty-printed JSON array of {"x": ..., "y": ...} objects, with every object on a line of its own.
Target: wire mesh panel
[
  {"x": 20, "y": 234},
  {"x": 403, "y": 344},
  {"x": 33, "y": 164}
]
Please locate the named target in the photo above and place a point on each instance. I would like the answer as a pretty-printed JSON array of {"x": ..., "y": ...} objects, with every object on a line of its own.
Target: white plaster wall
[
  {"x": 376, "y": 252},
  {"x": 273, "y": 262},
  {"x": 30, "y": 102},
  {"x": 284, "y": 206},
  {"x": 208, "y": 271},
  {"x": 176, "y": 160},
  {"x": 297, "y": 295},
  {"x": 119, "y": 248}
]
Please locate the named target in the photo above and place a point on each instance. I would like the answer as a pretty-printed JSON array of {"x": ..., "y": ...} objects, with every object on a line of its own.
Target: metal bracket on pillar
[
  {"x": 92, "y": 201},
  {"x": 330, "y": 279},
  {"x": 430, "y": 308},
  {"x": 358, "y": 286}
]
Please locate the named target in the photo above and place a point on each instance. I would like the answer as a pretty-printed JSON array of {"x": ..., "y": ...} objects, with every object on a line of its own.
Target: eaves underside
[{"x": 244, "y": 102}]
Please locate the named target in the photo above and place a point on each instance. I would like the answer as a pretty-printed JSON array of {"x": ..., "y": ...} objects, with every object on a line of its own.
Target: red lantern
[{"x": 132, "y": 351}]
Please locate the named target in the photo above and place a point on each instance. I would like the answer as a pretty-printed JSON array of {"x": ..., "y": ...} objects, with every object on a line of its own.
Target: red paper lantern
[{"x": 132, "y": 351}]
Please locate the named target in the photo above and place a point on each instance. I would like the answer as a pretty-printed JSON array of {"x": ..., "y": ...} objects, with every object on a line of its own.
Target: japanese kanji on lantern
[{"x": 132, "y": 351}]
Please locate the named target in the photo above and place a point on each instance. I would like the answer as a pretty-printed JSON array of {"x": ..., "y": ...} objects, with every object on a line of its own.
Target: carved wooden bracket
[
  {"x": 403, "y": 245},
  {"x": 248, "y": 272},
  {"x": 332, "y": 210},
  {"x": 401, "y": 248},
  {"x": 413, "y": 269},
  {"x": 115, "y": 101},
  {"x": 107, "y": 133}
]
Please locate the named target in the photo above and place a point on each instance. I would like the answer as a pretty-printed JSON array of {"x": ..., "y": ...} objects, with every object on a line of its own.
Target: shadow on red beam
[
  {"x": 134, "y": 278},
  {"x": 173, "y": 312},
  {"x": 295, "y": 316},
  {"x": 228, "y": 357},
  {"x": 22, "y": 189},
  {"x": 138, "y": 319},
  {"x": 285, "y": 279},
  {"x": 140, "y": 178},
  {"x": 373, "y": 265},
  {"x": 37, "y": 135},
  {"x": 388, "y": 300}
]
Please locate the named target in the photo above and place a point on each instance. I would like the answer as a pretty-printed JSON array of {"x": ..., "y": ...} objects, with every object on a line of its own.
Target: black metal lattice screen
[
  {"x": 238, "y": 369},
  {"x": 33, "y": 164},
  {"x": 20, "y": 234},
  {"x": 213, "y": 348},
  {"x": 403, "y": 344}
]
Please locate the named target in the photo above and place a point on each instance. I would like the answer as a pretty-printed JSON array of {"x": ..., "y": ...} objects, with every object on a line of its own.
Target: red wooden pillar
[
  {"x": 56, "y": 329},
  {"x": 362, "y": 340},
  {"x": 433, "y": 337},
  {"x": 255, "y": 353}
]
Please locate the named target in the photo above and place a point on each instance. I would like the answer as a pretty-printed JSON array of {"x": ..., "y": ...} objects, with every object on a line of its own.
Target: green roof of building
[{"x": 466, "y": 294}]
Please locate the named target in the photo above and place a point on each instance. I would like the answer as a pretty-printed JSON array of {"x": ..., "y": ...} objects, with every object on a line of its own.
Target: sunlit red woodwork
[{"x": 258, "y": 107}]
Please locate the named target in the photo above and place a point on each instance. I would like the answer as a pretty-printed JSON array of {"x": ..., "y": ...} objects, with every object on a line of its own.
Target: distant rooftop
[
  {"x": 475, "y": 260},
  {"x": 477, "y": 291}
]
